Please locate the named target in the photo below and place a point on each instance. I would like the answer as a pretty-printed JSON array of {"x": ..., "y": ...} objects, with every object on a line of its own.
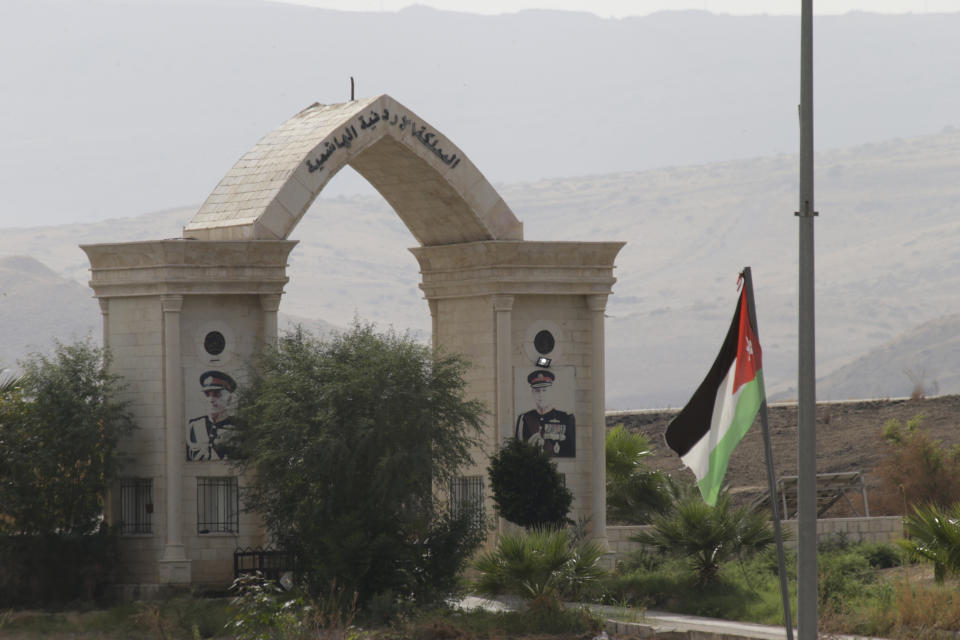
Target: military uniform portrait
[
  {"x": 208, "y": 436},
  {"x": 547, "y": 425}
]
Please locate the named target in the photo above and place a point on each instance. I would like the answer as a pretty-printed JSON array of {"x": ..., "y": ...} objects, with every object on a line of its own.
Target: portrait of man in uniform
[
  {"x": 208, "y": 436},
  {"x": 546, "y": 427}
]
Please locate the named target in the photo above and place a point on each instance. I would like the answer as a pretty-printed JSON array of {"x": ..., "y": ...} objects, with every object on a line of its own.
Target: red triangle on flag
[{"x": 749, "y": 356}]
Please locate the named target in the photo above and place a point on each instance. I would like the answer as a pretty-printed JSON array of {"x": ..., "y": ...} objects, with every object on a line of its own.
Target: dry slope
[{"x": 848, "y": 439}]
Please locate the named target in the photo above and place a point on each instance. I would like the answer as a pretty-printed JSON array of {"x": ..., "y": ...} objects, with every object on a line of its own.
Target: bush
[
  {"x": 708, "y": 536},
  {"x": 539, "y": 563},
  {"x": 43, "y": 569},
  {"x": 345, "y": 440},
  {"x": 916, "y": 469},
  {"x": 527, "y": 488},
  {"x": 842, "y": 576}
]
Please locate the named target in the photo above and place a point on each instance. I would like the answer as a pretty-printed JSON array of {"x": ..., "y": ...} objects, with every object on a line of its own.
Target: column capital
[
  {"x": 270, "y": 301},
  {"x": 503, "y": 303},
  {"x": 104, "y": 305},
  {"x": 171, "y": 303},
  {"x": 597, "y": 302}
]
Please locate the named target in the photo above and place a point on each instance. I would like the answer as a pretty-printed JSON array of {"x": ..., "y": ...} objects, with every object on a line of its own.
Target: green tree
[
  {"x": 708, "y": 536},
  {"x": 934, "y": 535},
  {"x": 345, "y": 440},
  {"x": 59, "y": 427},
  {"x": 634, "y": 493},
  {"x": 527, "y": 488}
]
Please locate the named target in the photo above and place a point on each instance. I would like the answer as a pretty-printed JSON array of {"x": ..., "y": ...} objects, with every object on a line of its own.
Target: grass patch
[{"x": 183, "y": 616}]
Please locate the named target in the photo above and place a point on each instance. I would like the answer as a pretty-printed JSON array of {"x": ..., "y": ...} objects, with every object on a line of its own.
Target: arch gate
[{"x": 181, "y": 316}]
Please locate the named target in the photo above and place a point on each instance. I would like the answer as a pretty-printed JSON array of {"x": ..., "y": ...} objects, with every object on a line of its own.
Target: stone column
[
  {"x": 108, "y": 509},
  {"x": 174, "y": 565},
  {"x": 503, "y": 308},
  {"x": 270, "y": 303},
  {"x": 105, "y": 319},
  {"x": 434, "y": 309},
  {"x": 597, "y": 304}
]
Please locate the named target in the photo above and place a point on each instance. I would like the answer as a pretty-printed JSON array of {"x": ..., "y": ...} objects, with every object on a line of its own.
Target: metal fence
[{"x": 271, "y": 563}]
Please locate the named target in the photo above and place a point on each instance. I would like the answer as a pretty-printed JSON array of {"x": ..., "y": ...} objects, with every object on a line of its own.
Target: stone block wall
[{"x": 874, "y": 529}]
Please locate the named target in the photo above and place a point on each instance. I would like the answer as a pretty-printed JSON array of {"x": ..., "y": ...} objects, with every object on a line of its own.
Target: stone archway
[
  {"x": 438, "y": 193},
  {"x": 180, "y": 316}
]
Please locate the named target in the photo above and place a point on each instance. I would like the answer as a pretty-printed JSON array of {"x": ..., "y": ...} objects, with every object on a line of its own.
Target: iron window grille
[
  {"x": 136, "y": 505},
  {"x": 466, "y": 495},
  {"x": 218, "y": 505}
]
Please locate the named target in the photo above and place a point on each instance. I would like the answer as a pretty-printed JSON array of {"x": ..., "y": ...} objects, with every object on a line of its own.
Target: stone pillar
[
  {"x": 503, "y": 306},
  {"x": 105, "y": 319},
  {"x": 174, "y": 565},
  {"x": 108, "y": 509},
  {"x": 597, "y": 304},
  {"x": 270, "y": 303},
  {"x": 434, "y": 309}
]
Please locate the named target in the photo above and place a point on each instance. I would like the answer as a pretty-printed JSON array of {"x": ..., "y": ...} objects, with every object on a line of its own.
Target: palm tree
[
  {"x": 634, "y": 493},
  {"x": 708, "y": 536},
  {"x": 934, "y": 535},
  {"x": 9, "y": 381},
  {"x": 538, "y": 563}
]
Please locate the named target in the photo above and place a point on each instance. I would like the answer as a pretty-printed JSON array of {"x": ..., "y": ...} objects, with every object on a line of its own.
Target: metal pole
[
  {"x": 807, "y": 620},
  {"x": 771, "y": 476}
]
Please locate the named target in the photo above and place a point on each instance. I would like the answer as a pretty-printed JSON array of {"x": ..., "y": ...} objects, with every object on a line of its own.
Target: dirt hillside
[{"x": 848, "y": 439}]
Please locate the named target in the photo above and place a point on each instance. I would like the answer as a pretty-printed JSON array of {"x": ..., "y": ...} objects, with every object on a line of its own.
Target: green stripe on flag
[{"x": 751, "y": 397}]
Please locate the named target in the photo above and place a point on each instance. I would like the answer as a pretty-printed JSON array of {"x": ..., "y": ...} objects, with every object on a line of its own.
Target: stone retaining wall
[{"x": 875, "y": 529}]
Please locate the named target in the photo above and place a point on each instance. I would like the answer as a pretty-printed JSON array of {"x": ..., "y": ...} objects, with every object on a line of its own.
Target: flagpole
[
  {"x": 771, "y": 476},
  {"x": 807, "y": 619}
]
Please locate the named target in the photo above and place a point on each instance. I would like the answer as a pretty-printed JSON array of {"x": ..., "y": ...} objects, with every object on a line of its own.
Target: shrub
[
  {"x": 538, "y": 563},
  {"x": 708, "y": 535},
  {"x": 527, "y": 488},
  {"x": 842, "y": 576},
  {"x": 916, "y": 469}
]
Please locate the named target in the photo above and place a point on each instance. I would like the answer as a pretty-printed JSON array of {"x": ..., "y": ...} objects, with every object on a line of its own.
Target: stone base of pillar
[
  {"x": 174, "y": 567},
  {"x": 174, "y": 572},
  {"x": 602, "y": 541}
]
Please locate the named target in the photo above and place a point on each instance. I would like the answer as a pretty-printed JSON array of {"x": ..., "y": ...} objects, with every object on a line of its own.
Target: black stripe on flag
[{"x": 693, "y": 421}]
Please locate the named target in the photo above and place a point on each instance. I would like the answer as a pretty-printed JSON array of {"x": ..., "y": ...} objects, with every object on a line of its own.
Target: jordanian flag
[{"x": 722, "y": 409}]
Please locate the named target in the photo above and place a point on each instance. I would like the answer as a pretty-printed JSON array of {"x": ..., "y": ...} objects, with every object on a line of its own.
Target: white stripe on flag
[{"x": 698, "y": 458}]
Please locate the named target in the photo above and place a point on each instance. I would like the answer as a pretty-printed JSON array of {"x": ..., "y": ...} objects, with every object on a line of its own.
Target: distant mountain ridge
[
  {"x": 139, "y": 120},
  {"x": 888, "y": 261}
]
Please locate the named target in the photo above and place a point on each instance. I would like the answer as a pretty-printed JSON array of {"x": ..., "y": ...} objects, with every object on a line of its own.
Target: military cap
[
  {"x": 217, "y": 380},
  {"x": 541, "y": 378}
]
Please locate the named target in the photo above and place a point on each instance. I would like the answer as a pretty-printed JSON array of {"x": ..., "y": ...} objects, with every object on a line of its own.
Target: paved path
[{"x": 633, "y": 623}]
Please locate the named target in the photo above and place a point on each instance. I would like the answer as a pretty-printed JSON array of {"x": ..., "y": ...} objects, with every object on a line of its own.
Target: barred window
[
  {"x": 136, "y": 505},
  {"x": 218, "y": 505},
  {"x": 466, "y": 494}
]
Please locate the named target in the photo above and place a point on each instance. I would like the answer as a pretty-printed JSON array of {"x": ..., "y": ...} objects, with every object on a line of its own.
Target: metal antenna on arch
[{"x": 351, "y": 89}]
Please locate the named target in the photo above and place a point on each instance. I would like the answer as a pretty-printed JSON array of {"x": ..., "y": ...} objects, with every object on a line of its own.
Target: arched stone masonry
[{"x": 184, "y": 317}]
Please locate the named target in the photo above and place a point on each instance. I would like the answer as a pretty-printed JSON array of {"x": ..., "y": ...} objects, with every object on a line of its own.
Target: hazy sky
[{"x": 622, "y": 8}]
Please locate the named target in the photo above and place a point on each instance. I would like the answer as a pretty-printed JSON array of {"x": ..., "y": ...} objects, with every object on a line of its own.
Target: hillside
[
  {"x": 848, "y": 439},
  {"x": 37, "y": 305},
  {"x": 887, "y": 263}
]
